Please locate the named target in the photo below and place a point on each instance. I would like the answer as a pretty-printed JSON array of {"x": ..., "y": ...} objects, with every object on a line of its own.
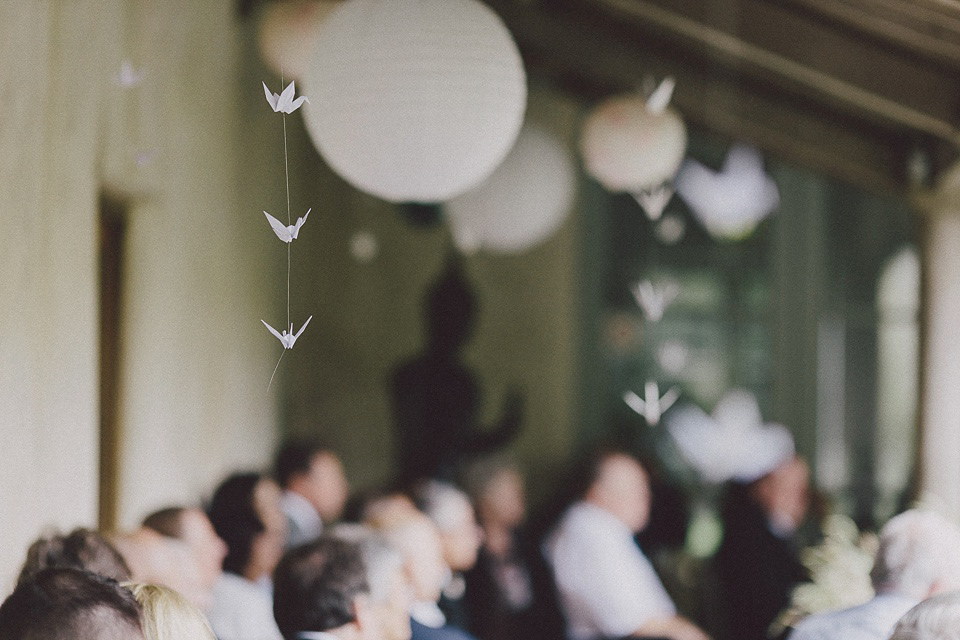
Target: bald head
[
  {"x": 620, "y": 486},
  {"x": 919, "y": 555}
]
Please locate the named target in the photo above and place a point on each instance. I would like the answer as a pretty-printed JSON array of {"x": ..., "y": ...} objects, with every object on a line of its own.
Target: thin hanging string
[
  {"x": 269, "y": 384},
  {"x": 286, "y": 170}
]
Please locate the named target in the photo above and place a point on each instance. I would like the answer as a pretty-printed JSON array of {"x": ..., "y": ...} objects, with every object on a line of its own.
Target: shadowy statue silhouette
[{"x": 436, "y": 398}]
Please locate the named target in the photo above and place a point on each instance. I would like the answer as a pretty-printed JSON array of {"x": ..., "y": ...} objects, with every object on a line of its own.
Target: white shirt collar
[
  {"x": 300, "y": 510},
  {"x": 316, "y": 635},
  {"x": 428, "y": 614}
]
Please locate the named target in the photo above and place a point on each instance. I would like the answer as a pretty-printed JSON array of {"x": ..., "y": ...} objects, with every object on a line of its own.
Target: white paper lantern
[
  {"x": 522, "y": 203},
  {"x": 627, "y": 146},
  {"x": 414, "y": 100},
  {"x": 288, "y": 31}
]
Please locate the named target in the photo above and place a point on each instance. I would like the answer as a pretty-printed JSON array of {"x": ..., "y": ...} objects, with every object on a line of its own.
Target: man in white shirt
[
  {"x": 918, "y": 557},
  {"x": 607, "y": 587},
  {"x": 314, "y": 489}
]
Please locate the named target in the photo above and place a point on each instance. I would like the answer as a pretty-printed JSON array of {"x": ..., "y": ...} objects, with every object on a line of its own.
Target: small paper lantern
[
  {"x": 287, "y": 33},
  {"x": 522, "y": 203},
  {"x": 628, "y": 146},
  {"x": 414, "y": 100}
]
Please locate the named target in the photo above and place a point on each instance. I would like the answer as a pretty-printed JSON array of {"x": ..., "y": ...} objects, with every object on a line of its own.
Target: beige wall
[{"x": 195, "y": 365}]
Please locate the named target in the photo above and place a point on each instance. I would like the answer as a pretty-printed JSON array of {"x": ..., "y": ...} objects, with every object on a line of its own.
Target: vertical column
[{"x": 940, "y": 408}]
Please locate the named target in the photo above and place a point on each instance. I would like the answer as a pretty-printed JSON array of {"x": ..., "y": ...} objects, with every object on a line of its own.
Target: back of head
[
  {"x": 315, "y": 586},
  {"x": 380, "y": 560},
  {"x": 295, "y": 457},
  {"x": 234, "y": 517},
  {"x": 167, "y": 522},
  {"x": 79, "y": 549},
  {"x": 444, "y": 504},
  {"x": 61, "y": 603},
  {"x": 937, "y": 618},
  {"x": 167, "y": 615},
  {"x": 919, "y": 555}
]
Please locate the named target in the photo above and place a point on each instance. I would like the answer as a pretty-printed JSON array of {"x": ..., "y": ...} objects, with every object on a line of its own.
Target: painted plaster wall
[{"x": 194, "y": 364}]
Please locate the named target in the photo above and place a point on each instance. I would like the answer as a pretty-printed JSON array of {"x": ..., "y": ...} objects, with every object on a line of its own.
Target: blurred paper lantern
[
  {"x": 364, "y": 246},
  {"x": 414, "y": 100},
  {"x": 287, "y": 33},
  {"x": 731, "y": 202},
  {"x": 634, "y": 144},
  {"x": 522, "y": 203}
]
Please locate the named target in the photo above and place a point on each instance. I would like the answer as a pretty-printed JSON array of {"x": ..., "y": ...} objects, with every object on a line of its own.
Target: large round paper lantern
[
  {"x": 628, "y": 146},
  {"x": 522, "y": 203},
  {"x": 288, "y": 31},
  {"x": 414, "y": 100}
]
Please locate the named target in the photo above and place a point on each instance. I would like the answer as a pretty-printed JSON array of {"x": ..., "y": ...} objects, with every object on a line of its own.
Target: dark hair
[
  {"x": 235, "y": 519},
  {"x": 295, "y": 457},
  {"x": 62, "y": 602},
  {"x": 79, "y": 549},
  {"x": 315, "y": 584},
  {"x": 167, "y": 522}
]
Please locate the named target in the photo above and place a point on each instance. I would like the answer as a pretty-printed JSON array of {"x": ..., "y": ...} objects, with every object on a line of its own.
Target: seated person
[
  {"x": 346, "y": 587},
  {"x": 192, "y": 527},
  {"x": 314, "y": 487},
  {"x": 918, "y": 557},
  {"x": 418, "y": 541},
  {"x": 245, "y": 512},
  {"x": 936, "y": 618},
  {"x": 79, "y": 549},
  {"x": 510, "y": 594},
  {"x": 607, "y": 587},
  {"x": 59, "y": 603},
  {"x": 460, "y": 537},
  {"x": 167, "y": 615}
]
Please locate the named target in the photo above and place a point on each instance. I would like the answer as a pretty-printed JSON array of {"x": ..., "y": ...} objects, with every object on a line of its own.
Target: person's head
[
  {"x": 245, "y": 513},
  {"x": 316, "y": 473},
  {"x": 451, "y": 512},
  {"x": 784, "y": 493},
  {"x": 619, "y": 485},
  {"x": 918, "y": 556},
  {"x": 191, "y": 526},
  {"x": 156, "y": 559},
  {"x": 79, "y": 549},
  {"x": 936, "y": 618},
  {"x": 418, "y": 541},
  {"x": 496, "y": 488},
  {"x": 167, "y": 615},
  {"x": 336, "y": 585},
  {"x": 57, "y": 603}
]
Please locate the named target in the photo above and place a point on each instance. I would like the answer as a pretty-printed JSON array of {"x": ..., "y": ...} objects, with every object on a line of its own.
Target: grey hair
[
  {"x": 936, "y": 618},
  {"x": 380, "y": 559},
  {"x": 443, "y": 503},
  {"x": 918, "y": 551}
]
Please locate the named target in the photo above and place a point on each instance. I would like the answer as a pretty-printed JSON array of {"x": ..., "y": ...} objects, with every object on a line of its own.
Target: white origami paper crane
[
  {"x": 731, "y": 202},
  {"x": 655, "y": 298},
  {"x": 285, "y": 338},
  {"x": 287, "y": 233},
  {"x": 659, "y": 98},
  {"x": 284, "y": 102},
  {"x": 654, "y": 200},
  {"x": 652, "y": 405},
  {"x": 128, "y": 76},
  {"x": 733, "y": 442}
]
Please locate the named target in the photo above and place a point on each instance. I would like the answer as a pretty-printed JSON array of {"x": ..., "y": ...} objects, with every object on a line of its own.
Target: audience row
[{"x": 285, "y": 557}]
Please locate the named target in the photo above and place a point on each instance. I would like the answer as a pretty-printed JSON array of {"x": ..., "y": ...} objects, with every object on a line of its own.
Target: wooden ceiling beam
[{"x": 586, "y": 57}]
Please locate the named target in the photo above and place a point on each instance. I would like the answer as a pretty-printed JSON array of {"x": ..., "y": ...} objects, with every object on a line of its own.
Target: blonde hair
[{"x": 167, "y": 615}]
